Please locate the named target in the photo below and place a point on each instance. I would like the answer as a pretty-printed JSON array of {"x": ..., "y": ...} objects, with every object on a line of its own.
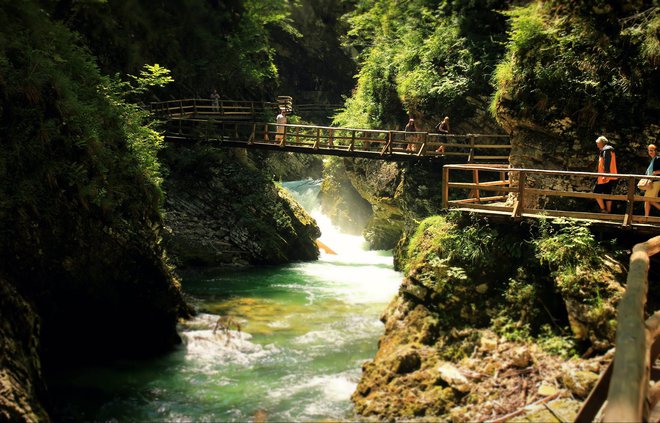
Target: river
[{"x": 305, "y": 331}]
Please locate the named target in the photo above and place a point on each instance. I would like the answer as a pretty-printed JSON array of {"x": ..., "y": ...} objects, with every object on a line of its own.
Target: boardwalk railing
[
  {"x": 226, "y": 109},
  {"x": 637, "y": 348},
  {"x": 516, "y": 192},
  {"x": 373, "y": 143}
]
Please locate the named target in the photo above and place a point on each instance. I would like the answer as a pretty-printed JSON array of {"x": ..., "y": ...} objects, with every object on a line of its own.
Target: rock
[
  {"x": 487, "y": 343},
  {"x": 454, "y": 378},
  {"x": 521, "y": 357},
  {"x": 547, "y": 390},
  {"x": 407, "y": 362},
  {"x": 580, "y": 383}
]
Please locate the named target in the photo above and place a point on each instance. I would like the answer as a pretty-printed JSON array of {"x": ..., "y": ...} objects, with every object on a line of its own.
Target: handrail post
[
  {"x": 628, "y": 218},
  {"x": 423, "y": 147},
  {"x": 471, "y": 155},
  {"x": 520, "y": 204},
  {"x": 475, "y": 177},
  {"x": 445, "y": 187},
  {"x": 350, "y": 147}
]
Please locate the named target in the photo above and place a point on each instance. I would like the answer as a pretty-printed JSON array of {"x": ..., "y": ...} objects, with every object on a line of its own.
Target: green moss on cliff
[
  {"x": 477, "y": 274},
  {"x": 593, "y": 62}
]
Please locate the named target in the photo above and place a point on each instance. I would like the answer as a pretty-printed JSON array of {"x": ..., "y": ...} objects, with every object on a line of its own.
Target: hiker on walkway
[
  {"x": 410, "y": 127},
  {"x": 215, "y": 100},
  {"x": 606, "y": 164},
  {"x": 442, "y": 128},
  {"x": 652, "y": 170},
  {"x": 281, "y": 121}
]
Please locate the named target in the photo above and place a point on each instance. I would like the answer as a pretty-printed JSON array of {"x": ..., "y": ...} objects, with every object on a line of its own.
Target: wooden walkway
[
  {"x": 501, "y": 191},
  {"x": 232, "y": 124}
]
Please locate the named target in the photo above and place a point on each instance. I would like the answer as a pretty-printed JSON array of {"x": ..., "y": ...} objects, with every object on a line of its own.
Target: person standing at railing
[
  {"x": 652, "y": 192},
  {"x": 442, "y": 128},
  {"x": 606, "y": 164},
  {"x": 410, "y": 127},
  {"x": 215, "y": 101},
  {"x": 280, "y": 130}
]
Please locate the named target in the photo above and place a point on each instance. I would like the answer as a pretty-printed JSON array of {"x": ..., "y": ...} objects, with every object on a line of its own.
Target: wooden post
[
  {"x": 628, "y": 218},
  {"x": 331, "y": 141},
  {"x": 423, "y": 147},
  {"x": 445, "y": 187},
  {"x": 471, "y": 155},
  {"x": 222, "y": 108},
  {"x": 475, "y": 177},
  {"x": 297, "y": 135},
  {"x": 388, "y": 143},
  {"x": 318, "y": 138},
  {"x": 350, "y": 147},
  {"x": 253, "y": 134},
  {"x": 520, "y": 203}
]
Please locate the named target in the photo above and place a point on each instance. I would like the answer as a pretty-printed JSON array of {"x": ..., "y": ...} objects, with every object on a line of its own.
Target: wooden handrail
[
  {"x": 522, "y": 190},
  {"x": 374, "y": 143},
  {"x": 625, "y": 399}
]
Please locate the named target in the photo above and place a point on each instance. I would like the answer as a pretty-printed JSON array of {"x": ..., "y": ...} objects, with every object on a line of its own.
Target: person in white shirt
[{"x": 281, "y": 120}]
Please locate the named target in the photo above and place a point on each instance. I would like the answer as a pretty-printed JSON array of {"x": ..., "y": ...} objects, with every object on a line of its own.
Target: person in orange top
[{"x": 606, "y": 164}]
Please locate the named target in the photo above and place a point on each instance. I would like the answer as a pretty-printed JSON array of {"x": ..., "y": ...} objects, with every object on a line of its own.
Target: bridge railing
[
  {"x": 380, "y": 142},
  {"x": 226, "y": 109},
  {"x": 630, "y": 398},
  {"x": 519, "y": 192}
]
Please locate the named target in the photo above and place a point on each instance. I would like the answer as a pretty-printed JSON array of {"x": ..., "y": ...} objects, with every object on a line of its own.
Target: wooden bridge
[{"x": 234, "y": 124}]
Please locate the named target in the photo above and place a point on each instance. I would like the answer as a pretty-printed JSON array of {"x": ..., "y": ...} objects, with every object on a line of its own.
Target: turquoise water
[{"x": 305, "y": 331}]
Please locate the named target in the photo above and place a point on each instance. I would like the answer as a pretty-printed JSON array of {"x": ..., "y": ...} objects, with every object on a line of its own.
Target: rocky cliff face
[
  {"x": 22, "y": 389},
  {"x": 459, "y": 337},
  {"x": 222, "y": 209}
]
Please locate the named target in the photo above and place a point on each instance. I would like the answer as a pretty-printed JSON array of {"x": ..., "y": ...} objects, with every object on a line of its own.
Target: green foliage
[
  {"x": 206, "y": 44},
  {"x": 570, "y": 245},
  {"x": 420, "y": 58},
  {"x": 144, "y": 141},
  {"x": 561, "y": 345},
  {"x": 593, "y": 62}
]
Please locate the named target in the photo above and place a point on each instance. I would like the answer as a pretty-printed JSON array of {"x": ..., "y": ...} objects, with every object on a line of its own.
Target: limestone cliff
[
  {"x": 223, "y": 209},
  {"x": 487, "y": 309}
]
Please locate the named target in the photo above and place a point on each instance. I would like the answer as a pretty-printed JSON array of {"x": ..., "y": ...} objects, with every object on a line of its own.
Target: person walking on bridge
[
  {"x": 410, "y": 127},
  {"x": 215, "y": 101},
  {"x": 652, "y": 192},
  {"x": 280, "y": 131},
  {"x": 606, "y": 164}
]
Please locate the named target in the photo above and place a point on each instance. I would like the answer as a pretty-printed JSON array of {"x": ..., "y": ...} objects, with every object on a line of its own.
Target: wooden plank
[
  {"x": 445, "y": 187},
  {"x": 490, "y": 157},
  {"x": 484, "y": 187},
  {"x": 493, "y": 146},
  {"x": 476, "y": 200},
  {"x": 486, "y": 207},
  {"x": 576, "y": 194},
  {"x": 520, "y": 206}
]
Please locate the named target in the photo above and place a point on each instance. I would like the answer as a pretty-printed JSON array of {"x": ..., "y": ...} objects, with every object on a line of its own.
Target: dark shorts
[{"x": 605, "y": 188}]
